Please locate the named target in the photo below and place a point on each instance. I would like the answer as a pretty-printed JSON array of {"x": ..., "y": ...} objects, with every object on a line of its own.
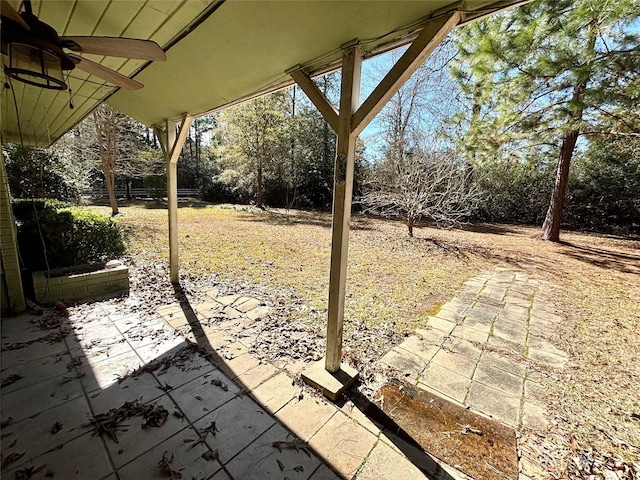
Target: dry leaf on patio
[
  {"x": 295, "y": 444},
  {"x": 57, "y": 447},
  {"x": 56, "y": 427},
  {"x": 27, "y": 473},
  {"x": 219, "y": 383},
  {"x": 14, "y": 377},
  {"x": 11, "y": 458},
  {"x": 165, "y": 466},
  {"x": 211, "y": 429},
  {"x": 154, "y": 416},
  {"x": 210, "y": 455}
]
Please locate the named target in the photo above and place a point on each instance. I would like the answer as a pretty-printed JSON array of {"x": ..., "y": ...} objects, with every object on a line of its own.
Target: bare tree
[
  {"x": 114, "y": 144},
  {"x": 424, "y": 185},
  {"x": 105, "y": 119}
]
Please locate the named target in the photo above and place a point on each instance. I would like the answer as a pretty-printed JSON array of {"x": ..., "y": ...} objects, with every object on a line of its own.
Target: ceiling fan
[{"x": 35, "y": 54}]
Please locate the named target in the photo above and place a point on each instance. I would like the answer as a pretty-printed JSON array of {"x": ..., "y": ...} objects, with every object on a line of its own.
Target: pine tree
[{"x": 543, "y": 75}]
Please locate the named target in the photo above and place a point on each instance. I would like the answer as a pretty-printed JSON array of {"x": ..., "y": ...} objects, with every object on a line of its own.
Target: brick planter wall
[{"x": 66, "y": 285}]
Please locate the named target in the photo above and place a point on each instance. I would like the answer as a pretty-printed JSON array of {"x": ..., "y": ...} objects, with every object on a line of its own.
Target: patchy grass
[
  {"x": 390, "y": 278},
  {"x": 592, "y": 281}
]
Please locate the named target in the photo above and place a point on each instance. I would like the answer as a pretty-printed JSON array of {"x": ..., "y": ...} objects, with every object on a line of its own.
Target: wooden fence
[{"x": 138, "y": 193}]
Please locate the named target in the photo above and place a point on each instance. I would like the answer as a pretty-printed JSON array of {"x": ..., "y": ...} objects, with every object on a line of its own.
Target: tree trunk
[
  {"x": 551, "y": 225},
  {"x": 260, "y": 187},
  {"x": 105, "y": 123},
  {"x": 410, "y": 223}
]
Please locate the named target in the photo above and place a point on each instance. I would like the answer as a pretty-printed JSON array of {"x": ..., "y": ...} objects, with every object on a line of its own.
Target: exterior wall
[
  {"x": 85, "y": 286},
  {"x": 12, "y": 294}
]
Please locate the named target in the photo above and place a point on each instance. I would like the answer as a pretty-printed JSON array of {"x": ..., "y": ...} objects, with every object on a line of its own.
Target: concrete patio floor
[{"x": 202, "y": 406}]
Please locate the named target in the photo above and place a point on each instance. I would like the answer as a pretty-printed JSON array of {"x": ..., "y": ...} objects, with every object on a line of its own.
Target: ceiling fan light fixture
[{"x": 34, "y": 65}]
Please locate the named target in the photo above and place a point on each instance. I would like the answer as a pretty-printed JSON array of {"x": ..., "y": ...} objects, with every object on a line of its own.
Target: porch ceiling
[{"x": 218, "y": 52}]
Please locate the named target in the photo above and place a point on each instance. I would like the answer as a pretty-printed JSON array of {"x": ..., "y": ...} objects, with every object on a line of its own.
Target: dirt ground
[{"x": 394, "y": 282}]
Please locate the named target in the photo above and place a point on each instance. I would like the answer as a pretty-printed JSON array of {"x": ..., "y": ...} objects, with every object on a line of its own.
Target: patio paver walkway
[{"x": 486, "y": 349}]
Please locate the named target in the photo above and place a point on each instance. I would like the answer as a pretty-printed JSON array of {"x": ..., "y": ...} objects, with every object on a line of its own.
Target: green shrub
[{"x": 71, "y": 236}]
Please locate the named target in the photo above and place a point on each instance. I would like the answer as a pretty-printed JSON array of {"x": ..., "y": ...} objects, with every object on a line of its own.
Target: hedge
[{"x": 69, "y": 235}]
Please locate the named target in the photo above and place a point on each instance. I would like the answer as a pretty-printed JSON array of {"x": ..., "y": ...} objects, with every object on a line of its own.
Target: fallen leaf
[
  {"x": 210, "y": 455},
  {"x": 28, "y": 472},
  {"x": 14, "y": 377},
  {"x": 12, "y": 458},
  {"x": 57, "y": 447},
  {"x": 219, "y": 383},
  {"x": 56, "y": 427},
  {"x": 165, "y": 466}
]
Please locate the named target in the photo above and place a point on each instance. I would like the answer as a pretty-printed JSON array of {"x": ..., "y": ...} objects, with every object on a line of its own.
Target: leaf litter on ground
[{"x": 109, "y": 423}]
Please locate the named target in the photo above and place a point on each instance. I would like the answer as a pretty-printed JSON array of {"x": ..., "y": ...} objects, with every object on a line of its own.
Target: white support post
[
  {"x": 332, "y": 377},
  {"x": 342, "y": 193},
  {"x": 171, "y": 147}
]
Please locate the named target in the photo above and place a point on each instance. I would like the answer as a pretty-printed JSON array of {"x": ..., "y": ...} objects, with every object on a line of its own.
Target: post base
[{"x": 332, "y": 385}]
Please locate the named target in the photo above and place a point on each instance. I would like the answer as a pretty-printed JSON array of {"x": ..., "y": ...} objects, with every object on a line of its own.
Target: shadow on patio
[{"x": 108, "y": 393}]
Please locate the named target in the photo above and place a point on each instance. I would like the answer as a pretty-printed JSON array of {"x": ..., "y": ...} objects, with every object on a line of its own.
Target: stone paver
[
  {"x": 385, "y": 462},
  {"x": 304, "y": 417},
  {"x": 447, "y": 382},
  {"x": 482, "y": 344},
  {"x": 343, "y": 443},
  {"x": 405, "y": 361},
  {"x": 494, "y": 402},
  {"x": 262, "y": 461},
  {"x": 275, "y": 393}
]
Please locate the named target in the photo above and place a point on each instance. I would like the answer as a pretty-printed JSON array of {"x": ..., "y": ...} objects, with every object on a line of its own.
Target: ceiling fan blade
[
  {"x": 105, "y": 73},
  {"x": 8, "y": 11},
  {"x": 115, "y": 47}
]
